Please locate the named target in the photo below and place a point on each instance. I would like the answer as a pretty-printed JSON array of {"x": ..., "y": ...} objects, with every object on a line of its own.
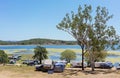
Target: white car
[
  {"x": 117, "y": 65},
  {"x": 76, "y": 64}
]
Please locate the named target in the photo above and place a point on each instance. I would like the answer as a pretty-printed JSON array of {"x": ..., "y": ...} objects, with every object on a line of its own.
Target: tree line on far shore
[{"x": 38, "y": 41}]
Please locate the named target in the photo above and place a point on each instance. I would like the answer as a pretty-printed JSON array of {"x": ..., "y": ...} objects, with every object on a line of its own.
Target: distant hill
[{"x": 38, "y": 41}]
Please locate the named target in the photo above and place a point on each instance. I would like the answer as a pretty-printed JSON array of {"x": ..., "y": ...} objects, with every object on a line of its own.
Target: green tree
[
  {"x": 101, "y": 36},
  {"x": 98, "y": 56},
  {"x": 76, "y": 25},
  {"x": 68, "y": 55},
  {"x": 40, "y": 53},
  {"x": 91, "y": 31},
  {"x": 3, "y": 57}
]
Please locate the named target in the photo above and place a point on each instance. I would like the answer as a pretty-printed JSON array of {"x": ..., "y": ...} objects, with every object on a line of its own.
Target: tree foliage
[
  {"x": 3, "y": 57},
  {"x": 77, "y": 26},
  {"x": 68, "y": 55},
  {"x": 98, "y": 56},
  {"x": 40, "y": 53},
  {"x": 101, "y": 36}
]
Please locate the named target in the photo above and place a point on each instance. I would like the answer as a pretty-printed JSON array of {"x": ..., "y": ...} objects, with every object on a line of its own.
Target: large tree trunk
[
  {"x": 82, "y": 47},
  {"x": 82, "y": 58},
  {"x": 92, "y": 65},
  {"x": 40, "y": 61},
  {"x": 92, "y": 61}
]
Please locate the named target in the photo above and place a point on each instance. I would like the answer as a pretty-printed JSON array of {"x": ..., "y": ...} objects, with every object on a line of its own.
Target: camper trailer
[
  {"x": 47, "y": 64},
  {"x": 76, "y": 64}
]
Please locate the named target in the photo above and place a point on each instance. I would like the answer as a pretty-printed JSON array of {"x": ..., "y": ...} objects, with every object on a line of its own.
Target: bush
[
  {"x": 3, "y": 57},
  {"x": 68, "y": 55}
]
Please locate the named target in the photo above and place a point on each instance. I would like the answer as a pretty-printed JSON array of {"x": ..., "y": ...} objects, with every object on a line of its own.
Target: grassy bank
[
  {"x": 61, "y": 50},
  {"x": 113, "y": 60},
  {"x": 9, "y": 51},
  {"x": 53, "y": 51}
]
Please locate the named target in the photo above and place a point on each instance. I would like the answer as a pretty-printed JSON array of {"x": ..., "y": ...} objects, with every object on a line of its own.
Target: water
[
  {"x": 33, "y": 46},
  {"x": 28, "y": 49}
]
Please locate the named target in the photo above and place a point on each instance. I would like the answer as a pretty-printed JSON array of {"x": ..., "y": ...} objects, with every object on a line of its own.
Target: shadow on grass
[{"x": 76, "y": 72}]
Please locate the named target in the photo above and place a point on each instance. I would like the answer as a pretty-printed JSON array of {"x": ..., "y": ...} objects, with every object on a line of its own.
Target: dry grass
[
  {"x": 26, "y": 56},
  {"x": 29, "y": 72}
]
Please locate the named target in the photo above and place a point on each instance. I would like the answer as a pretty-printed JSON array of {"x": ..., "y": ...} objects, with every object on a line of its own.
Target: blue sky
[{"x": 26, "y": 19}]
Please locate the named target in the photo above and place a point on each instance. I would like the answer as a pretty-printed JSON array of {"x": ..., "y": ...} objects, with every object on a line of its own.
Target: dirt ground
[{"x": 29, "y": 72}]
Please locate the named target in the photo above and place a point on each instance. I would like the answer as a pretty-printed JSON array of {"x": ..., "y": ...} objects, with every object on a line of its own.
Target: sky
[{"x": 26, "y": 19}]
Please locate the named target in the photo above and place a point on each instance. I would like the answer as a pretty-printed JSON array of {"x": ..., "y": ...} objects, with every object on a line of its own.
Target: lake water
[
  {"x": 33, "y": 46},
  {"x": 26, "y": 49}
]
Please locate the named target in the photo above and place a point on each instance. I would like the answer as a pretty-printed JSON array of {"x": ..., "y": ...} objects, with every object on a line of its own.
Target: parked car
[
  {"x": 16, "y": 57},
  {"x": 12, "y": 61},
  {"x": 117, "y": 65},
  {"x": 31, "y": 62},
  {"x": 59, "y": 67},
  {"x": 105, "y": 65}
]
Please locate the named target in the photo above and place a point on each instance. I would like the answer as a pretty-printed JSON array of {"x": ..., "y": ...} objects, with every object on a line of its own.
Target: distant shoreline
[{"x": 37, "y": 41}]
